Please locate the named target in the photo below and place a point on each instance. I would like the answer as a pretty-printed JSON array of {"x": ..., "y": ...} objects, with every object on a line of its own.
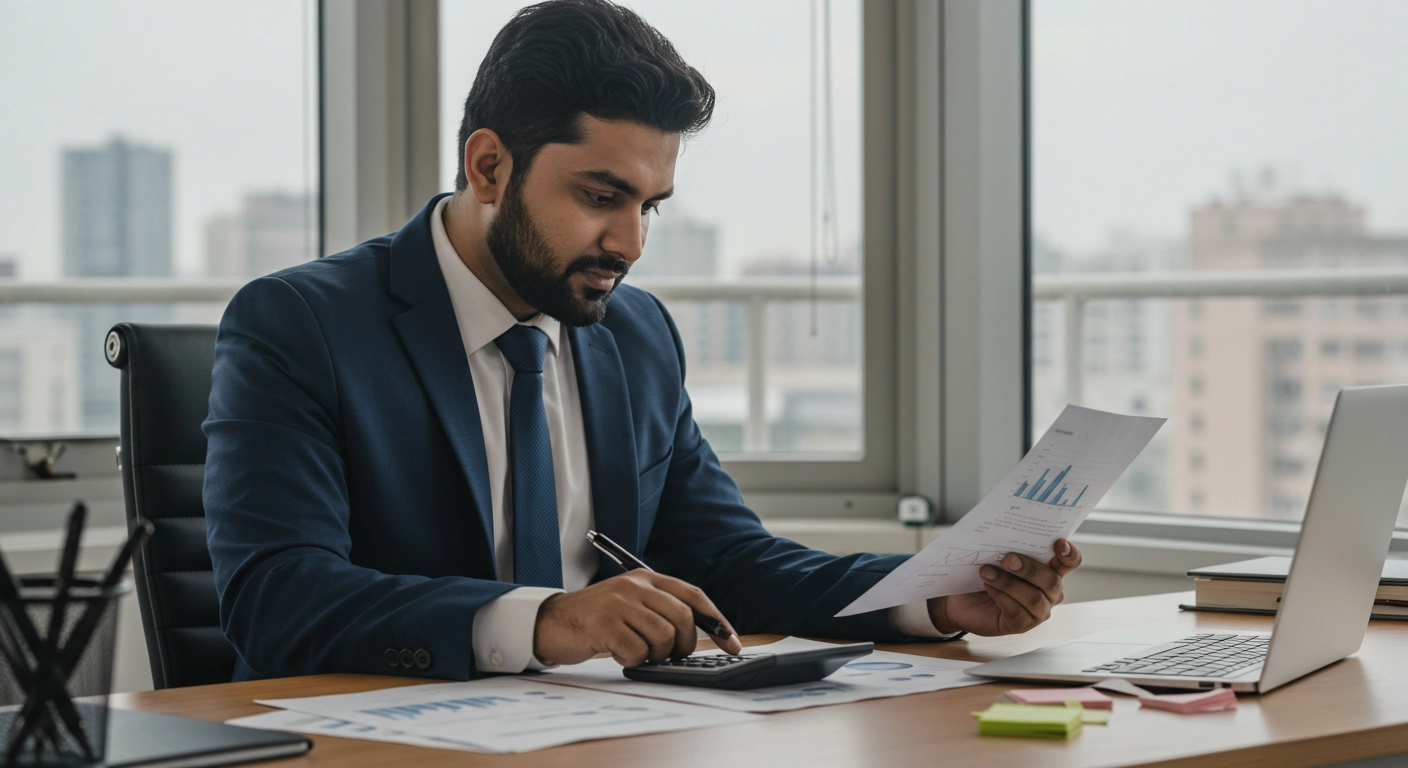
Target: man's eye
[
  {"x": 649, "y": 209},
  {"x": 599, "y": 200}
]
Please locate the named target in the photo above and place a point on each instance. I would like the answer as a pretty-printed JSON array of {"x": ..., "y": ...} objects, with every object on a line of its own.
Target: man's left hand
[{"x": 1018, "y": 594}]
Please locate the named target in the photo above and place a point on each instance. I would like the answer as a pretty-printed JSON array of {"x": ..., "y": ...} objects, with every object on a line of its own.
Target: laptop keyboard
[{"x": 1194, "y": 656}]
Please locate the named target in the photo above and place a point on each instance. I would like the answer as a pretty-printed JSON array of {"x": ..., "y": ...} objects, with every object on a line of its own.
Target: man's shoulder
[
  {"x": 356, "y": 273},
  {"x": 358, "y": 263},
  {"x": 633, "y": 306},
  {"x": 636, "y": 316}
]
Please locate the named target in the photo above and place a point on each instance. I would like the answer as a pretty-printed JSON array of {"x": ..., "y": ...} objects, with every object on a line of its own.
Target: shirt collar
[{"x": 481, "y": 316}]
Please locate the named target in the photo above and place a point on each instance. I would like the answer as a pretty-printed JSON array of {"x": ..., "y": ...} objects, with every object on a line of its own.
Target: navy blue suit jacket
[{"x": 347, "y": 491}]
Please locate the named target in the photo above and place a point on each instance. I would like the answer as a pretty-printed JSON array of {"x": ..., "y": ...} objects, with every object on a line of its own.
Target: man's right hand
[{"x": 638, "y": 616}]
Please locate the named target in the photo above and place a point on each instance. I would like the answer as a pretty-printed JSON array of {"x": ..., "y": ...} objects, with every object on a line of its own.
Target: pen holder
[{"x": 54, "y": 690}]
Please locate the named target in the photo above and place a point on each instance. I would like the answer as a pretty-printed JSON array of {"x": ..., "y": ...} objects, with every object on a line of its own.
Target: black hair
[{"x": 557, "y": 60}]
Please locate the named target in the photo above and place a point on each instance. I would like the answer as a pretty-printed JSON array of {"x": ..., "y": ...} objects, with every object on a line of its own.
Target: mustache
[{"x": 605, "y": 263}]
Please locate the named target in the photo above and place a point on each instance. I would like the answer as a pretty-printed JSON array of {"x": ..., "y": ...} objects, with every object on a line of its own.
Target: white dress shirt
[{"x": 503, "y": 628}]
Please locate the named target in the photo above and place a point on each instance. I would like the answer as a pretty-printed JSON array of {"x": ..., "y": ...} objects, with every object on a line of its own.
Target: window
[
  {"x": 1284, "y": 350},
  {"x": 1196, "y": 460},
  {"x": 1286, "y": 390},
  {"x": 788, "y": 116},
  {"x": 1368, "y": 350},
  {"x": 143, "y": 140},
  {"x": 1230, "y": 162}
]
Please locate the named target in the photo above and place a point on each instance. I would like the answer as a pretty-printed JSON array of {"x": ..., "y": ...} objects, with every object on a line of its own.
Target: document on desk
[
  {"x": 509, "y": 714},
  {"x": 300, "y": 722},
  {"x": 878, "y": 675},
  {"x": 1044, "y": 498}
]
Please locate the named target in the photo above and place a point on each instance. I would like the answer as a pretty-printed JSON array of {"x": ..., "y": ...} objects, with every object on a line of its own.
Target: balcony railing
[
  {"x": 756, "y": 293},
  {"x": 1073, "y": 290}
]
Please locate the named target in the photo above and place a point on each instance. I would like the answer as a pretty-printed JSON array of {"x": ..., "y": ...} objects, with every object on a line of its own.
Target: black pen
[{"x": 629, "y": 561}]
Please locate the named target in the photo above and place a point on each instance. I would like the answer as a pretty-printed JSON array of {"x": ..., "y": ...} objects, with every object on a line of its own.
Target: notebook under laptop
[{"x": 1329, "y": 592}]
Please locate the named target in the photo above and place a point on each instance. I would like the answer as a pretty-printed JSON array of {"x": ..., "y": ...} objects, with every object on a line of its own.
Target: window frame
[{"x": 946, "y": 276}]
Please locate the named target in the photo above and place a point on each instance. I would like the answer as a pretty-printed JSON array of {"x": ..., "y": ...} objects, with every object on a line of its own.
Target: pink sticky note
[
  {"x": 1190, "y": 703},
  {"x": 1088, "y": 698}
]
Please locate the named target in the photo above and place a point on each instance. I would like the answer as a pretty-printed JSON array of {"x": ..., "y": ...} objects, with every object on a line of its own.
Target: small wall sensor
[{"x": 914, "y": 509}]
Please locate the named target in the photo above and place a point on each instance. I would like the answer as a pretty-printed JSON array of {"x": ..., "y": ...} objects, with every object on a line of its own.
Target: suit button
[
  {"x": 408, "y": 659},
  {"x": 496, "y": 658},
  {"x": 393, "y": 657},
  {"x": 422, "y": 658}
]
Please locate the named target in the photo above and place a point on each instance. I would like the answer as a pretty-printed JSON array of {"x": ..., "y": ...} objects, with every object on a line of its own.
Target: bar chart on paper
[
  {"x": 1042, "y": 499},
  {"x": 1029, "y": 491}
]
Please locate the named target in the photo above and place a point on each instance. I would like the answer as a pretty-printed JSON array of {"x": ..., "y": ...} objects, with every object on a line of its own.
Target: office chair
[{"x": 165, "y": 396}]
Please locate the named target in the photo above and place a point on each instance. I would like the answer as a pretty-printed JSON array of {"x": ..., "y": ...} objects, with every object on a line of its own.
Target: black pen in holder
[
  {"x": 57, "y": 637},
  {"x": 67, "y": 718}
]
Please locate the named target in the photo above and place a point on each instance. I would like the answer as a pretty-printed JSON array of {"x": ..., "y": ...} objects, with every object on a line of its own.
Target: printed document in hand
[
  {"x": 509, "y": 714},
  {"x": 875, "y": 676},
  {"x": 1042, "y": 499}
]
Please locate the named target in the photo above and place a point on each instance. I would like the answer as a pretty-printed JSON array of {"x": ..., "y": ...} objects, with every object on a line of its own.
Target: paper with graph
[
  {"x": 881, "y": 674},
  {"x": 1044, "y": 498},
  {"x": 507, "y": 714}
]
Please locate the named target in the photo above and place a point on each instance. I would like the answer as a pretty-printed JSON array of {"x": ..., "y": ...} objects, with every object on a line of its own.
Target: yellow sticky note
[
  {"x": 1090, "y": 716},
  {"x": 1030, "y": 721}
]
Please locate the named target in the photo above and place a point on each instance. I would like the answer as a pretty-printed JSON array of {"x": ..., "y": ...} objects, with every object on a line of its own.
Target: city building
[
  {"x": 271, "y": 231},
  {"x": 1255, "y": 380},
  {"x": 38, "y": 369},
  {"x": 117, "y": 222},
  {"x": 117, "y": 219}
]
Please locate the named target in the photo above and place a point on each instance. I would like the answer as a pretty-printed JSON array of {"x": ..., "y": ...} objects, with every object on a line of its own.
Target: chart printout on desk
[{"x": 1044, "y": 498}]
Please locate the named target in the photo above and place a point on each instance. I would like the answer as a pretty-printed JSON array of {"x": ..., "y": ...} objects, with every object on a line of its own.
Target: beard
[{"x": 527, "y": 264}]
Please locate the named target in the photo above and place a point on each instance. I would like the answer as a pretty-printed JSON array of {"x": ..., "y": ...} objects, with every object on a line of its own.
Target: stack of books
[{"x": 1254, "y": 586}]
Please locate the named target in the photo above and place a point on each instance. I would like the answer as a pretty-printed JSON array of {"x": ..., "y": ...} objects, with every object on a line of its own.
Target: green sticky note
[
  {"x": 1090, "y": 716},
  {"x": 1030, "y": 720}
]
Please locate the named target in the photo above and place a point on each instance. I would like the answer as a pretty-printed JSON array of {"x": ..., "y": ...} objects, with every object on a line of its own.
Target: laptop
[{"x": 1329, "y": 592}]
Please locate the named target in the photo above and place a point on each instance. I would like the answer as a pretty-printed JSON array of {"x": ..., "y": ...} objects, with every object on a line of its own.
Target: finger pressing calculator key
[{"x": 749, "y": 670}]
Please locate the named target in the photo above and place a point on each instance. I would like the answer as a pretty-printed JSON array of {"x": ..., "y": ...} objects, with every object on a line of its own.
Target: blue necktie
[{"x": 537, "y": 551}]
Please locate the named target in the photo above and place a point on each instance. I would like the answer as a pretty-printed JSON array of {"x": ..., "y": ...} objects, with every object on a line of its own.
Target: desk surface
[{"x": 1355, "y": 709}]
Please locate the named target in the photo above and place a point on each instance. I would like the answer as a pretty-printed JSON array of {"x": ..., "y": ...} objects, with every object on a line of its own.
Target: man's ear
[{"x": 487, "y": 165}]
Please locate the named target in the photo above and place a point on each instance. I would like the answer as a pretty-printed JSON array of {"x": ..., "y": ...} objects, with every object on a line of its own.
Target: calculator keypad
[{"x": 703, "y": 663}]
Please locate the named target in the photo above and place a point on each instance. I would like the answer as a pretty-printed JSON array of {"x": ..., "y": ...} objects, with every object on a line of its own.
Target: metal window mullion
[{"x": 755, "y": 433}]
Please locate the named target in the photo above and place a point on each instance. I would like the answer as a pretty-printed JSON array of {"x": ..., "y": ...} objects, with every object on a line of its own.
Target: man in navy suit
[{"x": 408, "y": 441}]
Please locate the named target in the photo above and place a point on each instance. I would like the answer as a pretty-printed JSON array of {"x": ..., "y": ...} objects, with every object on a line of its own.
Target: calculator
[{"x": 749, "y": 670}]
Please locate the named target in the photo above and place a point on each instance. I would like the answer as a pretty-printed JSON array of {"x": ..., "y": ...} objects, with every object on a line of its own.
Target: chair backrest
[{"x": 165, "y": 397}]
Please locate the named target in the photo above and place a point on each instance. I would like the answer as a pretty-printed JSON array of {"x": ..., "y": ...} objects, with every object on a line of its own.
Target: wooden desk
[{"x": 1355, "y": 709}]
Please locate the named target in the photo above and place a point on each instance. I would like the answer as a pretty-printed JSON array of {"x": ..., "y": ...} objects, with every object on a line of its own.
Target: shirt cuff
[
  {"x": 503, "y": 631},
  {"x": 913, "y": 619}
]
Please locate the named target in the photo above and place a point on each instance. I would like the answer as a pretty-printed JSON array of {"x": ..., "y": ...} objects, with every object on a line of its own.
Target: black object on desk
[
  {"x": 750, "y": 670},
  {"x": 138, "y": 739},
  {"x": 41, "y": 723}
]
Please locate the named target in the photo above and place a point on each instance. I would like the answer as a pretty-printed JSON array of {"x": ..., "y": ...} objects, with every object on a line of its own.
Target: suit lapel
[
  {"x": 611, "y": 443},
  {"x": 431, "y": 336}
]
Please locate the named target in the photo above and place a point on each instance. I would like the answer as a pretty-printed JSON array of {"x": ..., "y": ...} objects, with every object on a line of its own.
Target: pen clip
[{"x": 599, "y": 541}]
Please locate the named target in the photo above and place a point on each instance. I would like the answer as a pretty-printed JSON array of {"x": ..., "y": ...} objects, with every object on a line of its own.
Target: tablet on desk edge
[{"x": 147, "y": 740}]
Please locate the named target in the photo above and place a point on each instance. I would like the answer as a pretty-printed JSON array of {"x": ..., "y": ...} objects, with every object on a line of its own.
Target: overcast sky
[
  {"x": 220, "y": 83},
  {"x": 1142, "y": 108}
]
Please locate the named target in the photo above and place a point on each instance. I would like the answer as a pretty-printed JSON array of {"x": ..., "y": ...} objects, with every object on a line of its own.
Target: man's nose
[{"x": 625, "y": 237}]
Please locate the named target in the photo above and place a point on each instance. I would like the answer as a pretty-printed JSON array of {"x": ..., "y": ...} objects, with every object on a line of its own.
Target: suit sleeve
[
  {"x": 706, "y": 535},
  {"x": 292, "y": 602}
]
